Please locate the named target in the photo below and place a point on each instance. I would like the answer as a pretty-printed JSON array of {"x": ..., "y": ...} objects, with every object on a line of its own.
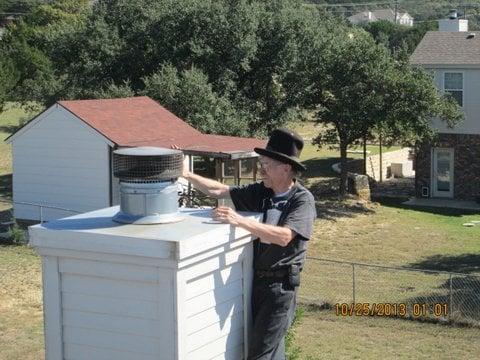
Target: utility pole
[{"x": 396, "y": 11}]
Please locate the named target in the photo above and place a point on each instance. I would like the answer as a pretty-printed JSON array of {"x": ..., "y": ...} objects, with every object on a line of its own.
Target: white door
[{"x": 442, "y": 172}]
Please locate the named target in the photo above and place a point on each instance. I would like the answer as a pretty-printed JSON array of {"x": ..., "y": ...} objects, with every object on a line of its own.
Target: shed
[{"x": 62, "y": 157}]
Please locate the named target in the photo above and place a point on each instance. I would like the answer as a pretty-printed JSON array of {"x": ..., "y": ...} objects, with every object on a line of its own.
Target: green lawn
[
  {"x": 323, "y": 335},
  {"x": 394, "y": 235},
  {"x": 9, "y": 120}
]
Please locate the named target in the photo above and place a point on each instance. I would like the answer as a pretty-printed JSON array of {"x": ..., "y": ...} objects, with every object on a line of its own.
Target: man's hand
[
  {"x": 273, "y": 234},
  {"x": 227, "y": 215},
  {"x": 185, "y": 172}
]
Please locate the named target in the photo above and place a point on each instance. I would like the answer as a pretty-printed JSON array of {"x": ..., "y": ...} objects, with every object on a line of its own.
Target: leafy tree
[
  {"x": 8, "y": 79},
  {"x": 356, "y": 87},
  {"x": 189, "y": 95},
  {"x": 31, "y": 42},
  {"x": 398, "y": 37},
  {"x": 244, "y": 51}
]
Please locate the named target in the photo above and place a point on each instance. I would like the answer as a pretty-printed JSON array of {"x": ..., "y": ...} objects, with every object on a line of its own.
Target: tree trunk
[
  {"x": 365, "y": 154},
  {"x": 380, "y": 158},
  {"x": 344, "y": 170}
]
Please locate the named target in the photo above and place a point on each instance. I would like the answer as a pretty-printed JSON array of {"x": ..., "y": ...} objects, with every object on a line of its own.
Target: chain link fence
[{"x": 356, "y": 289}]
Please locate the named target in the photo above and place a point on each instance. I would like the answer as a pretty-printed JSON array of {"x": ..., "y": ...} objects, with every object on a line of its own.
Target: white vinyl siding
[
  {"x": 111, "y": 310},
  {"x": 470, "y": 97},
  {"x": 453, "y": 85},
  {"x": 217, "y": 297},
  {"x": 59, "y": 161}
]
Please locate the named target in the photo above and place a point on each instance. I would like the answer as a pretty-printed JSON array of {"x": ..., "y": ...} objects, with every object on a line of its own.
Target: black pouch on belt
[{"x": 294, "y": 275}]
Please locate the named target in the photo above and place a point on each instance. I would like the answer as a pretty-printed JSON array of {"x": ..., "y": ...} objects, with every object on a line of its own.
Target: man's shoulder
[{"x": 303, "y": 193}]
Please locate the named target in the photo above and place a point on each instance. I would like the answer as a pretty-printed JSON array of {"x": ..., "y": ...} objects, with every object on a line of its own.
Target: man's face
[{"x": 272, "y": 171}]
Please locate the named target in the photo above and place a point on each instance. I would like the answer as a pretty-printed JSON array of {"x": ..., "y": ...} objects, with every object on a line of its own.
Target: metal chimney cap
[
  {"x": 146, "y": 151},
  {"x": 453, "y": 14}
]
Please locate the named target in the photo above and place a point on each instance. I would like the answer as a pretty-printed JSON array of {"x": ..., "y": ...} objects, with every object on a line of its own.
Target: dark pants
[{"x": 273, "y": 310}]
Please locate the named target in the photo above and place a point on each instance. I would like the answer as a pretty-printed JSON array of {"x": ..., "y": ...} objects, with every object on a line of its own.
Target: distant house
[
  {"x": 63, "y": 157},
  {"x": 451, "y": 168},
  {"x": 403, "y": 18},
  {"x": 4, "y": 22}
]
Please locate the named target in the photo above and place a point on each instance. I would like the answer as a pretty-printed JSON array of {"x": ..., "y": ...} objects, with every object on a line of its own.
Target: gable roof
[
  {"x": 141, "y": 121},
  {"x": 447, "y": 48},
  {"x": 127, "y": 120},
  {"x": 380, "y": 14}
]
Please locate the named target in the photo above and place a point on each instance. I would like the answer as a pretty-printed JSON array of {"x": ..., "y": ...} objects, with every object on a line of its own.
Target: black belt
[{"x": 271, "y": 273}]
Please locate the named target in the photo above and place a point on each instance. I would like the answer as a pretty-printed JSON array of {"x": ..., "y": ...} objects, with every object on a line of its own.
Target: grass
[
  {"x": 387, "y": 233},
  {"x": 395, "y": 235},
  {"x": 323, "y": 335},
  {"x": 10, "y": 118},
  {"x": 21, "y": 317}
]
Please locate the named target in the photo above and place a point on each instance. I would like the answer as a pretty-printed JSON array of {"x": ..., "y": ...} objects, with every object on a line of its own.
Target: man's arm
[
  {"x": 279, "y": 235},
  {"x": 207, "y": 186}
]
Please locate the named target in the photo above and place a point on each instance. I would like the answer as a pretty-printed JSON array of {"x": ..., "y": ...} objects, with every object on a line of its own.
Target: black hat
[{"x": 285, "y": 146}]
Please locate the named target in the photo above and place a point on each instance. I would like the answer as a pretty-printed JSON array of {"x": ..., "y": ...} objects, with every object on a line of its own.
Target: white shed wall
[{"x": 60, "y": 161}]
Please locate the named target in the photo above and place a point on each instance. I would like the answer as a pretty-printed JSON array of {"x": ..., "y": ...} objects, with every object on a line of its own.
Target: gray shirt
[{"x": 295, "y": 210}]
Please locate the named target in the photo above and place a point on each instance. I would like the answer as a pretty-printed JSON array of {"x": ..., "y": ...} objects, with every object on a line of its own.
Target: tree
[
  {"x": 238, "y": 54},
  {"x": 8, "y": 79},
  {"x": 189, "y": 95},
  {"x": 398, "y": 37},
  {"x": 32, "y": 43},
  {"x": 355, "y": 88}
]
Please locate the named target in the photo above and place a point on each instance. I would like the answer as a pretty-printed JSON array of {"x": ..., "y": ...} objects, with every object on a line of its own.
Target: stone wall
[{"x": 466, "y": 171}]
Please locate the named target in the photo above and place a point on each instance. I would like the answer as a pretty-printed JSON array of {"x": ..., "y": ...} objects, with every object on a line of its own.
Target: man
[{"x": 279, "y": 252}]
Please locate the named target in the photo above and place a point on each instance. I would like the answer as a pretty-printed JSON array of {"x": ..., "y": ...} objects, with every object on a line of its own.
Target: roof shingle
[
  {"x": 447, "y": 48},
  {"x": 141, "y": 121}
]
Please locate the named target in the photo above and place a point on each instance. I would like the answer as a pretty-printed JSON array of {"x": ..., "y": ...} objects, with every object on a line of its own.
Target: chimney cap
[
  {"x": 470, "y": 35},
  {"x": 146, "y": 151},
  {"x": 453, "y": 14}
]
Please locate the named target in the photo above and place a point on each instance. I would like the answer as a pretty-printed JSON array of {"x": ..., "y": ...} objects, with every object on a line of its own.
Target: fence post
[
  {"x": 41, "y": 214},
  {"x": 450, "y": 302},
  {"x": 353, "y": 282}
]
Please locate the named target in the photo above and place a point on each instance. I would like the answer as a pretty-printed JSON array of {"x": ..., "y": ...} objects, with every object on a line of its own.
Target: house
[
  {"x": 363, "y": 17},
  {"x": 4, "y": 22},
  {"x": 451, "y": 168},
  {"x": 63, "y": 157}
]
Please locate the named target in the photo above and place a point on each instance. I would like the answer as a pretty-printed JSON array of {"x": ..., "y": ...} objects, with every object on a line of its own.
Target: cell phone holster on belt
[{"x": 294, "y": 275}]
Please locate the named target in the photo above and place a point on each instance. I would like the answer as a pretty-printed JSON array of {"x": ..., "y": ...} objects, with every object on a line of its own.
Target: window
[
  {"x": 453, "y": 85},
  {"x": 228, "y": 168},
  {"x": 204, "y": 166},
  {"x": 246, "y": 168}
]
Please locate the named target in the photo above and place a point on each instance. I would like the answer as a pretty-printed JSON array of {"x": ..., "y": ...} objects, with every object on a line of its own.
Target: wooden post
[
  {"x": 219, "y": 169},
  {"x": 365, "y": 155},
  {"x": 236, "y": 173},
  {"x": 381, "y": 158}
]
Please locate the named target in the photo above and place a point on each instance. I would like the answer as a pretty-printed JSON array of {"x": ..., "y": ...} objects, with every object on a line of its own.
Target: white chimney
[
  {"x": 160, "y": 291},
  {"x": 135, "y": 282},
  {"x": 453, "y": 23}
]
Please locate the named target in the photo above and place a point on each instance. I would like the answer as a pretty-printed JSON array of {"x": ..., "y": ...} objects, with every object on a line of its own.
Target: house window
[{"x": 453, "y": 85}]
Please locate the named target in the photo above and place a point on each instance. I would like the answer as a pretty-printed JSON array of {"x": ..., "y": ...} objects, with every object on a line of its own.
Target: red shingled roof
[{"x": 140, "y": 121}]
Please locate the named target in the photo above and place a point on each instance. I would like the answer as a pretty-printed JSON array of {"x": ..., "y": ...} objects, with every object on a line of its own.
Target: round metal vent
[
  {"x": 147, "y": 164},
  {"x": 148, "y": 187}
]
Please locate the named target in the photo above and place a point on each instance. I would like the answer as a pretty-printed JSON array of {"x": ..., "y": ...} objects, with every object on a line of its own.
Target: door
[{"x": 442, "y": 172}]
